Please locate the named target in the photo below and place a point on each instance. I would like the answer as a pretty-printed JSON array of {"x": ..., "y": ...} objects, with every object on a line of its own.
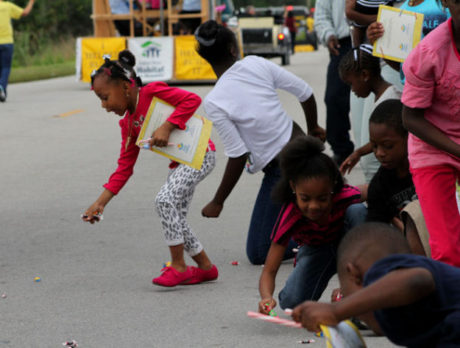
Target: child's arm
[
  {"x": 311, "y": 117},
  {"x": 97, "y": 207},
  {"x": 268, "y": 276},
  {"x": 396, "y": 289},
  {"x": 128, "y": 157},
  {"x": 396, "y": 222},
  {"x": 185, "y": 103},
  {"x": 28, "y": 8},
  {"x": 415, "y": 122},
  {"x": 233, "y": 170},
  {"x": 354, "y": 158},
  {"x": 357, "y": 17}
]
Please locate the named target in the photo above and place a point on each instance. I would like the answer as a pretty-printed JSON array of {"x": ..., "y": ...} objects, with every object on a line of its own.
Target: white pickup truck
[{"x": 262, "y": 37}]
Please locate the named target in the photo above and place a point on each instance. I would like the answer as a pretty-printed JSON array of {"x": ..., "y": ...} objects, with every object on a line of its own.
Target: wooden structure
[{"x": 103, "y": 18}]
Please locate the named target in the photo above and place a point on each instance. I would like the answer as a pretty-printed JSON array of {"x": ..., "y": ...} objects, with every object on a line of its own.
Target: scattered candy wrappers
[
  {"x": 167, "y": 264},
  {"x": 70, "y": 344},
  {"x": 3, "y": 295},
  {"x": 37, "y": 279},
  {"x": 306, "y": 341},
  {"x": 235, "y": 263}
]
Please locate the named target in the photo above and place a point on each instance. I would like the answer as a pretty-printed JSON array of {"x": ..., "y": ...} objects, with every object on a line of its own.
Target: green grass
[
  {"x": 50, "y": 59},
  {"x": 41, "y": 72}
]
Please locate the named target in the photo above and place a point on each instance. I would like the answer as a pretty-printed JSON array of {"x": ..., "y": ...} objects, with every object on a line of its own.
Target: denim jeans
[
  {"x": 316, "y": 265},
  {"x": 6, "y": 57},
  {"x": 263, "y": 219}
]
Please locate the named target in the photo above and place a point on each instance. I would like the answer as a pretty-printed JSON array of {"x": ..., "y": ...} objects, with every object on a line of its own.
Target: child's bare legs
[
  {"x": 202, "y": 260},
  {"x": 177, "y": 258}
]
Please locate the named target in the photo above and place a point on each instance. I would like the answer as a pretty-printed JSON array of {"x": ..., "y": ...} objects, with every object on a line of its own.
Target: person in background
[
  {"x": 332, "y": 31},
  {"x": 189, "y": 25},
  {"x": 290, "y": 24},
  {"x": 361, "y": 70},
  {"x": 8, "y": 11},
  {"x": 123, "y": 25}
]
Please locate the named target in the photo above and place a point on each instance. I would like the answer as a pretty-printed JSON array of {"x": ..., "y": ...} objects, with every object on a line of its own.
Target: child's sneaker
[
  {"x": 200, "y": 275},
  {"x": 171, "y": 277}
]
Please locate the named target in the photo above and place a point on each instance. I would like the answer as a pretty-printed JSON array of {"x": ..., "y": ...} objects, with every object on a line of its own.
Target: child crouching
[{"x": 411, "y": 299}]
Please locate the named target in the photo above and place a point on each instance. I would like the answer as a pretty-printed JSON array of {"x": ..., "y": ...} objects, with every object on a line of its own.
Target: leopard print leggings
[{"x": 173, "y": 201}]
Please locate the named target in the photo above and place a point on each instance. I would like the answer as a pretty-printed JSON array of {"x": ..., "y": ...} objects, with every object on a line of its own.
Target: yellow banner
[
  {"x": 188, "y": 63},
  {"x": 92, "y": 50}
]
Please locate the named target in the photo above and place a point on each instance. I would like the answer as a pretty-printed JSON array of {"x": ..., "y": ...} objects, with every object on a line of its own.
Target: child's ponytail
[
  {"x": 216, "y": 43},
  {"x": 303, "y": 158},
  {"x": 358, "y": 59},
  {"x": 121, "y": 69}
]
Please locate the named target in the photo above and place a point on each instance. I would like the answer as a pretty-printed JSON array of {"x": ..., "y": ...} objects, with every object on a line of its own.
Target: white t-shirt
[{"x": 247, "y": 112}]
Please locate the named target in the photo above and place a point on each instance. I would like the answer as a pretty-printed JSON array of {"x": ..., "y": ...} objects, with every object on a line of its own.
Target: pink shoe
[
  {"x": 171, "y": 277},
  {"x": 199, "y": 275}
]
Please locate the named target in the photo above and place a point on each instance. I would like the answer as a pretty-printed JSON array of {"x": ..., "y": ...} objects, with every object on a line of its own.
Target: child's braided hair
[
  {"x": 121, "y": 69},
  {"x": 303, "y": 158},
  {"x": 359, "y": 59}
]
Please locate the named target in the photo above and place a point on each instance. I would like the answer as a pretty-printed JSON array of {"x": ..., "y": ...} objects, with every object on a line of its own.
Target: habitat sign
[{"x": 154, "y": 57}]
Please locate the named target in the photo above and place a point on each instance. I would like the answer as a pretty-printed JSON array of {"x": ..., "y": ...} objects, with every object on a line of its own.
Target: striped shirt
[
  {"x": 292, "y": 224},
  {"x": 371, "y": 7}
]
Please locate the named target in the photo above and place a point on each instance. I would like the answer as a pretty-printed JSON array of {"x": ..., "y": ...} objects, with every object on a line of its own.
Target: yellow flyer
[
  {"x": 186, "y": 146},
  {"x": 403, "y": 31},
  {"x": 344, "y": 335}
]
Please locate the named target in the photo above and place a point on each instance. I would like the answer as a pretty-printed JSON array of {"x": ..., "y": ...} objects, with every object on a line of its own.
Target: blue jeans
[
  {"x": 316, "y": 265},
  {"x": 263, "y": 219},
  {"x": 6, "y": 57}
]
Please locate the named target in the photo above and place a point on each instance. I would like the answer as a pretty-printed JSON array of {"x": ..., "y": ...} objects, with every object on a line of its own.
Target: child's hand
[
  {"x": 161, "y": 135},
  {"x": 318, "y": 132},
  {"x": 311, "y": 314},
  {"x": 92, "y": 214},
  {"x": 333, "y": 45},
  {"x": 266, "y": 305},
  {"x": 349, "y": 163},
  {"x": 336, "y": 295},
  {"x": 212, "y": 209},
  {"x": 374, "y": 31}
]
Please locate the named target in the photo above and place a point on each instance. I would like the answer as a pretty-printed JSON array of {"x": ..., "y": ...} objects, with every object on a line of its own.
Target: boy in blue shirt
[{"x": 413, "y": 300}]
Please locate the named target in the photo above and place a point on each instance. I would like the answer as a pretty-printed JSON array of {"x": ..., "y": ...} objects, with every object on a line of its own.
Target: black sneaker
[{"x": 2, "y": 94}]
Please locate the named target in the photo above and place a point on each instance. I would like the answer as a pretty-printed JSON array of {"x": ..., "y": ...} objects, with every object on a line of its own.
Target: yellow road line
[{"x": 70, "y": 113}]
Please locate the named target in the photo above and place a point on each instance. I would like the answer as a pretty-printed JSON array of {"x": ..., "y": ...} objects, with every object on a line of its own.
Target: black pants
[
  {"x": 123, "y": 28},
  {"x": 337, "y": 99},
  {"x": 293, "y": 35}
]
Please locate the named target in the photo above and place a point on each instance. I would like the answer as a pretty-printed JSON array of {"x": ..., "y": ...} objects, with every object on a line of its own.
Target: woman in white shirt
[{"x": 253, "y": 126}]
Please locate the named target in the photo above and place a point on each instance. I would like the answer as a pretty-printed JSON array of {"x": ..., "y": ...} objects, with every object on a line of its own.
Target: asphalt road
[{"x": 57, "y": 147}]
